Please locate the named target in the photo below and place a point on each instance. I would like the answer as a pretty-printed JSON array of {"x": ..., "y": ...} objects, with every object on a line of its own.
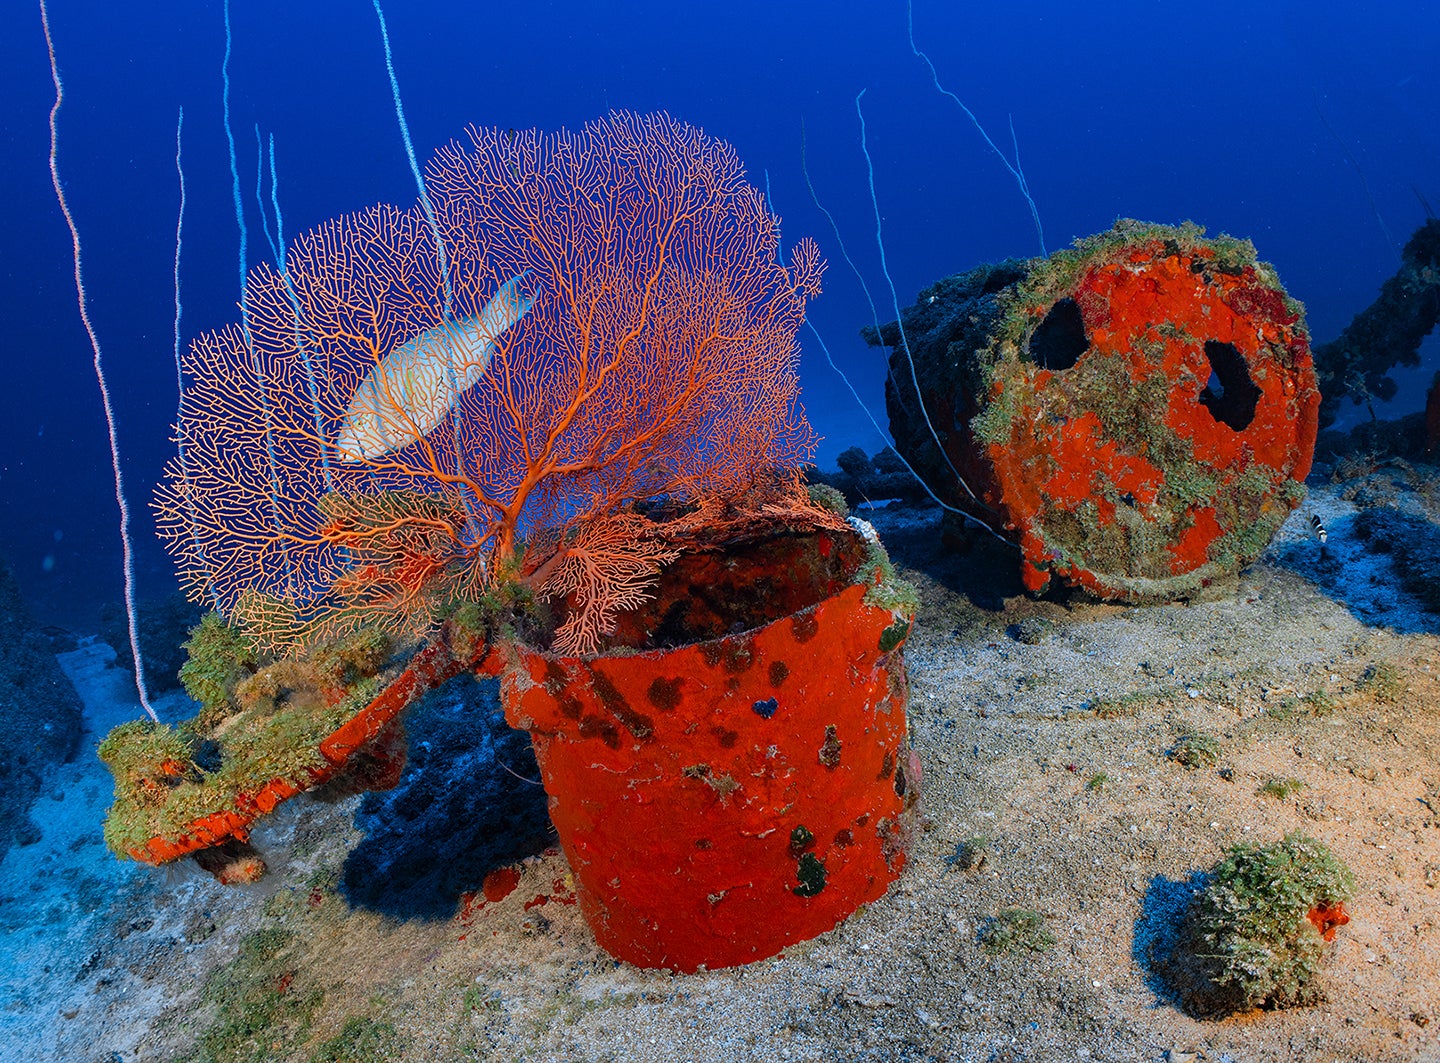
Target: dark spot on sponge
[
  {"x": 893, "y": 635},
  {"x": 779, "y": 672},
  {"x": 733, "y": 655},
  {"x": 664, "y": 693},
  {"x": 804, "y": 627},
  {"x": 802, "y": 839},
  {"x": 811, "y": 873},
  {"x": 766, "y": 708},
  {"x": 637, "y": 723},
  {"x": 555, "y": 679},
  {"x": 887, "y": 765},
  {"x": 830, "y": 749},
  {"x": 601, "y": 728}
]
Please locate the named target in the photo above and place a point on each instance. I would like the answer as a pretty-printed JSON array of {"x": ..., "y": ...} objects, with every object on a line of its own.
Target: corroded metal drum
[
  {"x": 1138, "y": 412},
  {"x": 721, "y": 798}
]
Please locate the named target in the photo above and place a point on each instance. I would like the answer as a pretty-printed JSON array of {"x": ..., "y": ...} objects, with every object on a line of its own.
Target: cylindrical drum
[
  {"x": 723, "y": 798},
  {"x": 1138, "y": 412}
]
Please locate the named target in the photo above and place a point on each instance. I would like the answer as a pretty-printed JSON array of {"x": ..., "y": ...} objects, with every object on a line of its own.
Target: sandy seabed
[{"x": 1043, "y": 728}]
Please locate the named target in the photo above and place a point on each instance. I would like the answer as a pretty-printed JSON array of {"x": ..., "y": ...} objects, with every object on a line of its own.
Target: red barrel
[{"x": 722, "y": 798}]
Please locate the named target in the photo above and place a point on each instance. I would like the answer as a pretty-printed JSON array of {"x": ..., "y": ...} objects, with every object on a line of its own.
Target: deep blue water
[{"x": 1248, "y": 118}]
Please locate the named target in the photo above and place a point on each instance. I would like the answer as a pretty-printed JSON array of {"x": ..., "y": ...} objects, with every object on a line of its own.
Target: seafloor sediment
[{"x": 1044, "y": 728}]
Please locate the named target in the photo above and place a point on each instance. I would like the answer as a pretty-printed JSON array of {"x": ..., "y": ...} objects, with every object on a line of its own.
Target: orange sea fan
[
  {"x": 608, "y": 565},
  {"x": 655, "y": 356}
]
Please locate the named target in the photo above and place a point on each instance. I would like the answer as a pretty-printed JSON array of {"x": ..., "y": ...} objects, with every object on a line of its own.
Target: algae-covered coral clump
[
  {"x": 259, "y": 722},
  {"x": 887, "y": 590},
  {"x": 1255, "y": 934},
  {"x": 1016, "y": 929},
  {"x": 221, "y": 656},
  {"x": 142, "y": 754},
  {"x": 1195, "y": 749},
  {"x": 344, "y": 662}
]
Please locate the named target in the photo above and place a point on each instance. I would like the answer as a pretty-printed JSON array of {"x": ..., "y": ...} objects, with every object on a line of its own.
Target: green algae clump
[
  {"x": 1016, "y": 930},
  {"x": 261, "y": 722},
  {"x": 1255, "y": 935},
  {"x": 221, "y": 656}
]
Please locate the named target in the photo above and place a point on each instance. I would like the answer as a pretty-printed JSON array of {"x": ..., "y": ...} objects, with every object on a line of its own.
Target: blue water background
[{"x": 1248, "y": 118}]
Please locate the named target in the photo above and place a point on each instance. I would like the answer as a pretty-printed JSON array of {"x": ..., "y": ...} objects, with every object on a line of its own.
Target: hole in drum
[
  {"x": 1230, "y": 395},
  {"x": 1058, "y": 342}
]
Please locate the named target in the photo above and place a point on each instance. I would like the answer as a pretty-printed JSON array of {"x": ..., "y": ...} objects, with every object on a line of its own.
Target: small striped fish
[{"x": 1318, "y": 527}]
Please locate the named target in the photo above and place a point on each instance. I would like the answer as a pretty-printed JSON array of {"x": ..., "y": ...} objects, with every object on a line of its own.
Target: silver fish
[{"x": 415, "y": 386}]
